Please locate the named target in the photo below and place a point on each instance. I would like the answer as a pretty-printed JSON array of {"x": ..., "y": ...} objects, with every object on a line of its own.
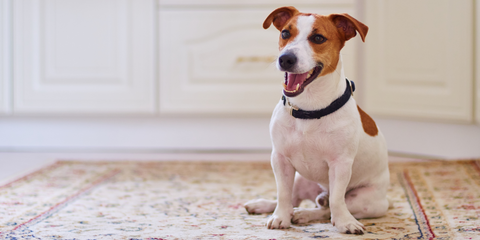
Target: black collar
[{"x": 317, "y": 114}]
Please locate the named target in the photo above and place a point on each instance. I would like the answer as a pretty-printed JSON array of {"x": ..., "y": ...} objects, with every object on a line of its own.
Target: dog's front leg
[
  {"x": 340, "y": 172},
  {"x": 284, "y": 176}
]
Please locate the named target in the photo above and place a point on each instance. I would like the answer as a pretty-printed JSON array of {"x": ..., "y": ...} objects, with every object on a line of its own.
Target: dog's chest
[{"x": 309, "y": 144}]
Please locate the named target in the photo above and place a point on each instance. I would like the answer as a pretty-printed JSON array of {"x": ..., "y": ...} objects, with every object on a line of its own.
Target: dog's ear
[
  {"x": 349, "y": 26},
  {"x": 279, "y": 17}
]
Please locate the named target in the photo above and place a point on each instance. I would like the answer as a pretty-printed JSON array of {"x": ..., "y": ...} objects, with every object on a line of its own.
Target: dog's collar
[{"x": 317, "y": 114}]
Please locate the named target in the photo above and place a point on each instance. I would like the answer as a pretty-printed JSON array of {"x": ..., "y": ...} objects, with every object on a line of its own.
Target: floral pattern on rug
[{"x": 204, "y": 200}]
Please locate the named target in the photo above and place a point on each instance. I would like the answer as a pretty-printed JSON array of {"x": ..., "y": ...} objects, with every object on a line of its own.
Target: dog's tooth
[
  {"x": 310, "y": 73},
  {"x": 292, "y": 91}
]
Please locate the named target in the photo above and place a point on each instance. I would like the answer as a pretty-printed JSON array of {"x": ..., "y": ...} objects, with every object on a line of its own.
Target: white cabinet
[
  {"x": 419, "y": 59},
  {"x": 84, "y": 56},
  {"x": 5, "y": 54},
  {"x": 118, "y": 56},
  {"x": 216, "y": 58}
]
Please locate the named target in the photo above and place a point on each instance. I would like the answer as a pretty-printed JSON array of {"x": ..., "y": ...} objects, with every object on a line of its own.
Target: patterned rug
[{"x": 198, "y": 200}]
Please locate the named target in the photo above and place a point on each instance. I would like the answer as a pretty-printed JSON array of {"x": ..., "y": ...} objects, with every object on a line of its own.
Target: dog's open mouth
[{"x": 295, "y": 83}]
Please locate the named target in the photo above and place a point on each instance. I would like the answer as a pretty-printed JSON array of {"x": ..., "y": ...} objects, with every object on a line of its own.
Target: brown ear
[
  {"x": 280, "y": 17},
  {"x": 349, "y": 26}
]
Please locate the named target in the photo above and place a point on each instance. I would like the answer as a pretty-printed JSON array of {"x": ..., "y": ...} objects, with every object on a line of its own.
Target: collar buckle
[
  {"x": 291, "y": 110},
  {"x": 292, "y": 107},
  {"x": 352, "y": 86}
]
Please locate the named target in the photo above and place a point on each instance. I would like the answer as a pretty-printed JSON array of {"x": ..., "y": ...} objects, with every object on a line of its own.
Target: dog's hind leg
[
  {"x": 259, "y": 206},
  {"x": 305, "y": 215},
  {"x": 322, "y": 212},
  {"x": 367, "y": 202},
  {"x": 302, "y": 189}
]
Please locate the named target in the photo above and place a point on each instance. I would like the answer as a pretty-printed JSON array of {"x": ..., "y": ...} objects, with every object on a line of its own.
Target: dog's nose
[{"x": 287, "y": 61}]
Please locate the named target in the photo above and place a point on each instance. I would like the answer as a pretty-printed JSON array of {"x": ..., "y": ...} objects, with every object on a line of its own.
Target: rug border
[{"x": 28, "y": 173}]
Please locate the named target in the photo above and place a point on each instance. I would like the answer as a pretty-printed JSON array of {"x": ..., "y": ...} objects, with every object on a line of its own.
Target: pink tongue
[{"x": 294, "y": 79}]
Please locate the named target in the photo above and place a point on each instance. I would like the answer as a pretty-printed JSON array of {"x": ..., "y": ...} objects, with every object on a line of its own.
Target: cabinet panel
[
  {"x": 419, "y": 59},
  {"x": 221, "y": 60},
  {"x": 5, "y": 56},
  {"x": 85, "y": 43},
  {"x": 84, "y": 56}
]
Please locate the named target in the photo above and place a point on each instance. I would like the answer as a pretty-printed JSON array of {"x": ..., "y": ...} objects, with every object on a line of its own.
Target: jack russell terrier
[{"x": 325, "y": 148}]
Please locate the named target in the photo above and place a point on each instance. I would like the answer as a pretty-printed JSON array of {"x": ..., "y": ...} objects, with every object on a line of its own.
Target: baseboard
[
  {"x": 430, "y": 140},
  {"x": 213, "y": 135},
  {"x": 134, "y": 134}
]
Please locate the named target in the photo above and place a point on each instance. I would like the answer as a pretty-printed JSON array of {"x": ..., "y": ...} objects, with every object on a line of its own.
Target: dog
[{"x": 325, "y": 147}]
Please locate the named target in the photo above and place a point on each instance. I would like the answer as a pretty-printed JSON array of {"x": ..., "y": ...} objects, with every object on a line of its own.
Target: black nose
[{"x": 287, "y": 61}]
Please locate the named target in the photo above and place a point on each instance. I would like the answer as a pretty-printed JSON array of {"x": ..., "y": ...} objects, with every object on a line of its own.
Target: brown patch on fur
[
  {"x": 336, "y": 28},
  {"x": 292, "y": 28},
  {"x": 279, "y": 17},
  {"x": 349, "y": 26},
  {"x": 328, "y": 52},
  {"x": 368, "y": 124}
]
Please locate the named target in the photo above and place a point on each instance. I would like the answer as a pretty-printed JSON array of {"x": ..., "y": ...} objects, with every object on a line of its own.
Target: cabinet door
[
  {"x": 5, "y": 54},
  {"x": 420, "y": 59},
  {"x": 221, "y": 60},
  {"x": 84, "y": 56}
]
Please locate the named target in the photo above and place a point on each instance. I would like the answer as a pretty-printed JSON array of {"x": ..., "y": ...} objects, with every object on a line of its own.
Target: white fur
[
  {"x": 334, "y": 152},
  {"x": 300, "y": 47}
]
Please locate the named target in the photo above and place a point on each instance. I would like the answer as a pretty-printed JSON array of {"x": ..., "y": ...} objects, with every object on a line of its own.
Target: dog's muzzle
[{"x": 287, "y": 61}]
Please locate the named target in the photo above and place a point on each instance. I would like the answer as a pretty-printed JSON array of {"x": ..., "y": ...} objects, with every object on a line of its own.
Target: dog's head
[{"x": 310, "y": 44}]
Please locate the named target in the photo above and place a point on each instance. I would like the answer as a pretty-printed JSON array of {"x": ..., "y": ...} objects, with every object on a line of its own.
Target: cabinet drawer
[{"x": 221, "y": 60}]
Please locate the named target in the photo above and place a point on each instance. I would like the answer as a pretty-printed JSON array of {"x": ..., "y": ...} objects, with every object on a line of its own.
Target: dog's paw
[
  {"x": 305, "y": 215},
  {"x": 260, "y": 206},
  {"x": 301, "y": 216},
  {"x": 349, "y": 225},
  {"x": 279, "y": 221}
]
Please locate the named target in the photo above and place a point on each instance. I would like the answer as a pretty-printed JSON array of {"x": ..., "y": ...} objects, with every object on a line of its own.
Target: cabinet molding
[
  {"x": 84, "y": 56},
  {"x": 419, "y": 59}
]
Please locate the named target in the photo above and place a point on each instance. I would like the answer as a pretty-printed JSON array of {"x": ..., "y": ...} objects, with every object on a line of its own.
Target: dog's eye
[
  {"x": 285, "y": 34},
  {"x": 318, "y": 39}
]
